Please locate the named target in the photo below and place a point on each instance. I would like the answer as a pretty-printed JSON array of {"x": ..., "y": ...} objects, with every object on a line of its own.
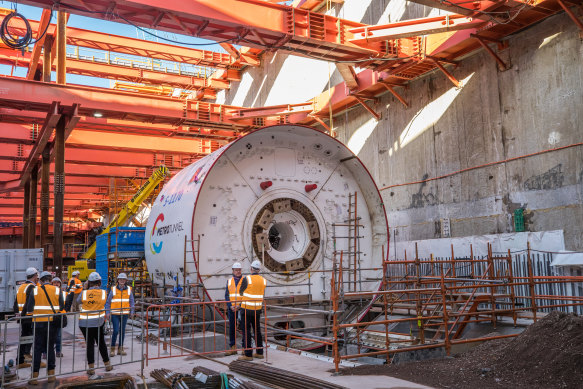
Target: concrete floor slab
[{"x": 74, "y": 360}]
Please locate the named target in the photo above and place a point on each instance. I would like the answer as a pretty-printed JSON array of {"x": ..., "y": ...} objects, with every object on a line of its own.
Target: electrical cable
[
  {"x": 482, "y": 166},
  {"x": 15, "y": 42}
]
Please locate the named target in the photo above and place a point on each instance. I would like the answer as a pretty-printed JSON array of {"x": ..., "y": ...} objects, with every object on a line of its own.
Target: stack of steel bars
[{"x": 280, "y": 378}]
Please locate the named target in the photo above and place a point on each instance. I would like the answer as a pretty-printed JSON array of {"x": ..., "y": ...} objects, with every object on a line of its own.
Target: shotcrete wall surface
[{"x": 496, "y": 115}]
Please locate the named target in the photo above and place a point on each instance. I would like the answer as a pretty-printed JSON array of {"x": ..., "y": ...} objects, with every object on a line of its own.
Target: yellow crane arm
[{"x": 132, "y": 206}]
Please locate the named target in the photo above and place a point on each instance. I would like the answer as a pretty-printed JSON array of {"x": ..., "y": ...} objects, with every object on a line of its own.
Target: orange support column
[
  {"x": 32, "y": 208},
  {"x": 44, "y": 201},
  {"x": 25, "y": 214},
  {"x": 59, "y": 194},
  {"x": 61, "y": 48},
  {"x": 48, "y": 46}
]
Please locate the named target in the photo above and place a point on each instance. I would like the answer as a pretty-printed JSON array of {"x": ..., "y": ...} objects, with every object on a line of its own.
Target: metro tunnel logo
[{"x": 155, "y": 248}]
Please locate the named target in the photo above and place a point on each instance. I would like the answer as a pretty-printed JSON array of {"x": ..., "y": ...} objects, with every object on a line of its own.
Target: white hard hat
[
  {"x": 45, "y": 274},
  {"x": 237, "y": 265},
  {"x": 57, "y": 279},
  {"x": 76, "y": 273},
  {"x": 94, "y": 277},
  {"x": 31, "y": 271},
  {"x": 122, "y": 276},
  {"x": 256, "y": 264}
]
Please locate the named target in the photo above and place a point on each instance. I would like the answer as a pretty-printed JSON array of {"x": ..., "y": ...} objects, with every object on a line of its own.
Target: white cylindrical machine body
[{"x": 288, "y": 196}]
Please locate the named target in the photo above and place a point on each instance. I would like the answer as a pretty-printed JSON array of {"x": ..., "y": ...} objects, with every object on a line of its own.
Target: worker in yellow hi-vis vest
[
  {"x": 252, "y": 289},
  {"x": 24, "y": 290},
  {"x": 92, "y": 321},
  {"x": 45, "y": 302},
  {"x": 120, "y": 303}
]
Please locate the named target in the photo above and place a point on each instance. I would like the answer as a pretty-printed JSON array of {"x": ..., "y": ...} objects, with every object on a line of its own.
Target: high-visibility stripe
[{"x": 253, "y": 296}]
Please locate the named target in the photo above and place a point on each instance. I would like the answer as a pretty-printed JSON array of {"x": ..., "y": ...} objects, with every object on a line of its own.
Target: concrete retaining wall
[{"x": 536, "y": 105}]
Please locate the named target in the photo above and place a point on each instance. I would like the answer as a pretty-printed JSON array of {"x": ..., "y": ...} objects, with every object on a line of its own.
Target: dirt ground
[{"x": 548, "y": 354}]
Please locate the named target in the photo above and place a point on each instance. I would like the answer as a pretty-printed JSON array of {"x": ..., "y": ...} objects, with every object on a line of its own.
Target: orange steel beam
[
  {"x": 348, "y": 74},
  {"x": 99, "y": 140},
  {"x": 111, "y": 104},
  {"x": 121, "y": 72},
  {"x": 28, "y": 118},
  {"x": 7, "y": 167},
  {"x": 124, "y": 45},
  {"x": 572, "y": 15},
  {"x": 36, "y": 51},
  {"x": 45, "y": 133},
  {"x": 90, "y": 155},
  {"x": 414, "y": 27},
  {"x": 275, "y": 26},
  {"x": 394, "y": 93}
]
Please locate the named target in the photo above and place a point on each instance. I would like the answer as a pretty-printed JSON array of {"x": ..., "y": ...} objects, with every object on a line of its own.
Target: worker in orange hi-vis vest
[
  {"x": 92, "y": 321},
  {"x": 233, "y": 305},
  {"x": 120, "y": 304},
  {"x": 44, "y": 303},
  {"x": 253, "y": 290},
  {"x": 76, "y": 287},
  {"x": 24, "y": 290}
]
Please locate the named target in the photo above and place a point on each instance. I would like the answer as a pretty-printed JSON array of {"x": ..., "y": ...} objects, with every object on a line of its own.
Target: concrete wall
[{"x": 536, "y": 105}]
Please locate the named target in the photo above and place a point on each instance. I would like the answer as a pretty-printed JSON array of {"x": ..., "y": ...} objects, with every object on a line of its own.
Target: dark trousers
[
  {"x": 232, "y": 327},
  {"x": 252, "y": 321},
  {"x": 45, "y": 334},
  {"x": 119, "y": 328},
  {"x": 59, "y": 341},
  {"x": 92, "y": 336},
  {"x": 25, "y": 330}
]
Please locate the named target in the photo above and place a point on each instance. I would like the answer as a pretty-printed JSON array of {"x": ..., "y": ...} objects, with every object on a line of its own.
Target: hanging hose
[{"x": 14, "y": 41}]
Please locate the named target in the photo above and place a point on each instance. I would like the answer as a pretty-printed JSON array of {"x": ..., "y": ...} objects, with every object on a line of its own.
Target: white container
[
  {"x": 13, "y": 265},
  {"x": 305, "y": 178}
]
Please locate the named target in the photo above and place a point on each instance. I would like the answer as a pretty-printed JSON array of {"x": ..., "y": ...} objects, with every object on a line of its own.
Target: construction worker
[
  {"x": 45, "y": 301},
  {"x": 75, "y": 286},
  {"x": 252, "y": 289},
  {"x": 22, "y": 294},
  {"x": 92, "y": 321},
  {"x": 233, "y": 304},
  {"x": 58, "y": 341},
  {"x": 120, "y": 304}
]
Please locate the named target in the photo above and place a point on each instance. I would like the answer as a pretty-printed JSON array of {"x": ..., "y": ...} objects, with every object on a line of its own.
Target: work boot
[
  {"x": 108, "y": 366},
  {"x": 232, "y": 351},
  {"x": 42, "y": 364},
  {"x": 121, "y": 351},
  {"x": 258, "y": 356},
  {"x": 91, "y": 369},
  {"x": 23, "y": 365},
  {"x": 244, "y": 358},
  {"x": 27, "y": 358},
  {"x": 51, "y": 374},
  {"x": 34, "y": 379},
  {"x": 112, "y": 352}
]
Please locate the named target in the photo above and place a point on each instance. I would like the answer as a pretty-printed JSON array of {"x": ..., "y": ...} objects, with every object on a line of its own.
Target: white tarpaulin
[
  {"x": 543, "y": 240},
  {"x": 568, "y": 258}
]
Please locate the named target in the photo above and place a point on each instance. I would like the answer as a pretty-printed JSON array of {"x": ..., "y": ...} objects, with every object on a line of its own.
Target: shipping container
[{"x": 13, "y": 265}]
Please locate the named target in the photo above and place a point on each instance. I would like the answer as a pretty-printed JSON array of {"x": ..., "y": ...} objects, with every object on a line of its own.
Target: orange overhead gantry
[
  {"x": 393, "y": 54},
  {"x": 119, "y": 71},
  {"x": 252, "y": 23}
]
